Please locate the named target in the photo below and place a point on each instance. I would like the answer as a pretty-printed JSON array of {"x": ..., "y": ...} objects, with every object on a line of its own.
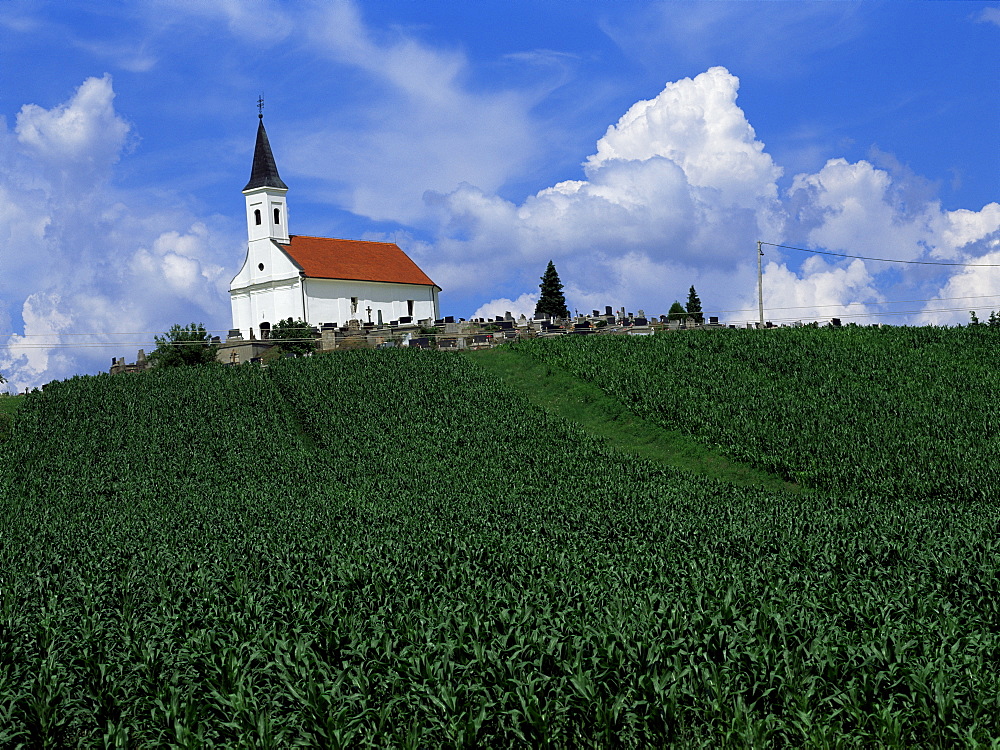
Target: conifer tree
[
  {"x": 694, "y": 306},
  {"x": 551, "y": 302}
]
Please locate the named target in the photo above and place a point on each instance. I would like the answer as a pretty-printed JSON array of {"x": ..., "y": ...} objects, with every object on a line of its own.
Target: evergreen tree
[
  {"x": 694, "y": 306},
  {"x": 183, "y": 345},
  {"x": 551, "y": 302},
  {"x": 676, "y": 311}
]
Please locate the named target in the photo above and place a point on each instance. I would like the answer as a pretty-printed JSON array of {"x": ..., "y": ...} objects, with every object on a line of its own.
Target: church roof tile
[{"x": 355, "y": 260}]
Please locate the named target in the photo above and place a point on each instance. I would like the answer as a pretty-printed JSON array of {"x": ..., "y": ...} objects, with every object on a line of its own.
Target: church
[{"x": 316, "y": 279}]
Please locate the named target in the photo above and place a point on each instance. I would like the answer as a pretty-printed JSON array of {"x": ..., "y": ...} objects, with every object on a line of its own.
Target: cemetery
[
  {"x": 450, "y": 334},
  {"x": 447, "y": 334}
]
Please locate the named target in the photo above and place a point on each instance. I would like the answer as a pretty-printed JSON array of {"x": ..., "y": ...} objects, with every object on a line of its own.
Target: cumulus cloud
[
  {"x": 852, "y": 207},
  {"x": 677, "y": 193},
  {"x": 817, "y": 291},
  {"x": 973, "y": 287},
  {"x": 81, "y": 138},
  {"x": 696, "y": 125},
  {"x": 82, "y": 263},
  {"x": 523, "y": 305}
]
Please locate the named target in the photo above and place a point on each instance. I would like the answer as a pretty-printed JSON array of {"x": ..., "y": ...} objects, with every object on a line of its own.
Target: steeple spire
[{"x": 264, "y": 172}]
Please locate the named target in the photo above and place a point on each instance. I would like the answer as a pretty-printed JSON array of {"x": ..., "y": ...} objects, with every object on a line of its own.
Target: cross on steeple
[{"x": 260, "y": 106}]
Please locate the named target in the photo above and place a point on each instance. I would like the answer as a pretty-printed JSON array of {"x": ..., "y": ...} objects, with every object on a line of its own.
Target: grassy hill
[{"x": 402, "y": 548}]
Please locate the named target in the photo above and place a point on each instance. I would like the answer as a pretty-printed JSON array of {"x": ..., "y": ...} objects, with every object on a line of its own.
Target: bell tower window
[
  {"x": 277, "y": 216},
  {"x": 256, "y": 216}
]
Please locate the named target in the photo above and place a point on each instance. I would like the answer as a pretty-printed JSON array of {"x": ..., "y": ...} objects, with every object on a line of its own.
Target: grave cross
[{"x": 369, "y": 309}]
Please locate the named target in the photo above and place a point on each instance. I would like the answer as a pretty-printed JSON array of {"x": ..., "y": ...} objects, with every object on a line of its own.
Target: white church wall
[
  {"x": 266, "y": 303},
  {"x": 339, "y": 300},
  {"x": 277, "y": 266}
]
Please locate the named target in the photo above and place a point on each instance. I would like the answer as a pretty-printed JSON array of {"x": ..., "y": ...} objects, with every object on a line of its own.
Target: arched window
[
  {"x": 277, "y": 216},
  {"x": 256, "y": 216}
]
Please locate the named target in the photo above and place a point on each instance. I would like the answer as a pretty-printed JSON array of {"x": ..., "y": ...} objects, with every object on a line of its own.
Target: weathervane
[{"x": 260, "y": 106}]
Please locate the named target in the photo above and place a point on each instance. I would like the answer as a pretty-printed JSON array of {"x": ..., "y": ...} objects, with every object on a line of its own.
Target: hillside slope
[
  {"x": 391, "y": 547},
  {"x": 899, "y": 412}
]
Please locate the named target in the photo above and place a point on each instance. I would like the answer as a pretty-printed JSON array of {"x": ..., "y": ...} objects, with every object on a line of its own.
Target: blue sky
[{"x": 644, "y": 147}]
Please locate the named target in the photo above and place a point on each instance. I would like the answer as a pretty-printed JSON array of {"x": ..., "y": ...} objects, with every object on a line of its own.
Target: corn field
[
  {"x": 899, "y": 412},
  {"x": 390, "y": 548}
]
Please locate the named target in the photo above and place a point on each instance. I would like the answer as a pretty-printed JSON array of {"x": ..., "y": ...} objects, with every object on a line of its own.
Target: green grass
[
  {"x": 607, "y": 418},
  {"x": 10, "y": 404}
]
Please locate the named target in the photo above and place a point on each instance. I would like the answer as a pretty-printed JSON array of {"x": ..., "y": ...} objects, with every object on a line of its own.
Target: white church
[{"x": 317, "y": 279}]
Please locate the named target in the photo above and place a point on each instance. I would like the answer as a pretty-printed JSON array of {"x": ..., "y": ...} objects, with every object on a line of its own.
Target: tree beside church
[{"x": 293, "y": 337}]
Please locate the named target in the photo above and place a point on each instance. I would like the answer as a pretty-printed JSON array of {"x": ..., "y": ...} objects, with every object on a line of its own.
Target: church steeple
[
  {"x": 264, "y": 172},
  {"x": 267, "y": 214}
]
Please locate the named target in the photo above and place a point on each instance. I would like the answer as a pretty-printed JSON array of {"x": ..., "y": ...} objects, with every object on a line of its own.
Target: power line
[{"x": 884, "y": 260}]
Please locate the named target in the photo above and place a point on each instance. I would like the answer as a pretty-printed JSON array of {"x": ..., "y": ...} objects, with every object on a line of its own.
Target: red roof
[{"x": 356, "y": 260}]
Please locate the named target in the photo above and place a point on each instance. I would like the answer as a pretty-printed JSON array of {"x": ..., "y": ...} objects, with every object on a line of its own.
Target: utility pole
[{"x": 760, "y": 284}]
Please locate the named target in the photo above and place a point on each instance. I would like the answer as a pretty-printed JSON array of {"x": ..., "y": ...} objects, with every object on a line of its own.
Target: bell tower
[{"x": 267, "y": 210}]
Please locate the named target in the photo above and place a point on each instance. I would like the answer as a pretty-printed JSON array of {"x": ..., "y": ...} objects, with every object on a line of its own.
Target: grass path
[{"x": 605, "y": 417}]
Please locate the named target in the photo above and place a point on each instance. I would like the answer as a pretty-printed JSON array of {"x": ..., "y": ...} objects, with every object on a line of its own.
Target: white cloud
[
  {"x": 853, "y": 208},
  {"x": 523, "y": 305},
  {"x": 819, "y": 291},
  {"x": 82, "y": 137},
  {"x": 677, "y": 192},
  {"x": 975, "y": 287},
  {"x": 696, "y": 125},
  {"x": 33, "y": 354},
  {"x": 81, "y": 262}
]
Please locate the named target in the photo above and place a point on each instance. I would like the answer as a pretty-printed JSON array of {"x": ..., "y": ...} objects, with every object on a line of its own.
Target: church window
[
  {"x": 277, "y": 216},
  {"x": 354, "y": 305},
  {"x": 256, "y": 216},
  {"x": 260, "y": 266},
  {"x": 409, "y": 307}
]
